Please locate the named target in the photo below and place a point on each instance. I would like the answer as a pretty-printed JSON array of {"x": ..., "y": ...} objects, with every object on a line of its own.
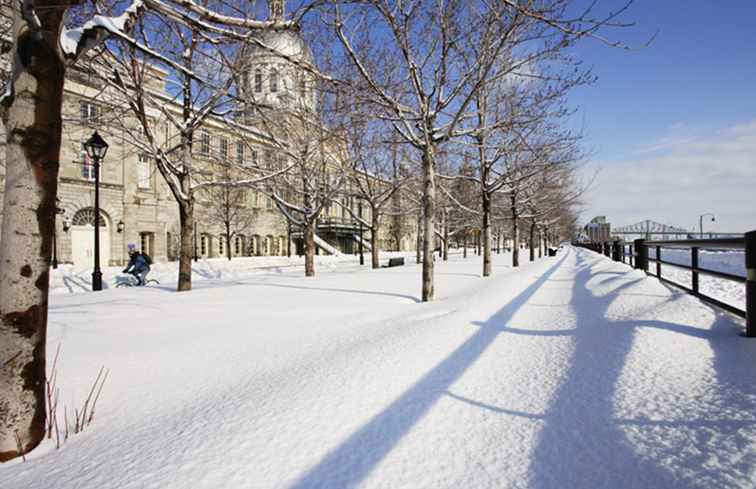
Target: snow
[
  {"x": 733, "y": 262},
  {"x": 325, "y": 246},
  {"x": 70, "y": 38},
  {"x": 69, "y": 279},
  {"x": 572, "y": 371}
]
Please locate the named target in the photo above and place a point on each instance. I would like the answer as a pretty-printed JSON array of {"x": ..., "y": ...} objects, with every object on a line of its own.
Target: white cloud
[{"x": 677, "y": 178}]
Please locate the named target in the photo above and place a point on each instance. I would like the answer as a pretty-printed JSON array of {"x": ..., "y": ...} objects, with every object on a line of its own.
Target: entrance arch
[{"x": 82, "y": 238}]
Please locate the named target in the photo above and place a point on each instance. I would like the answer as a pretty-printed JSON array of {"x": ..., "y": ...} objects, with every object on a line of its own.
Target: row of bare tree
[{"x": 451, "y": 110}]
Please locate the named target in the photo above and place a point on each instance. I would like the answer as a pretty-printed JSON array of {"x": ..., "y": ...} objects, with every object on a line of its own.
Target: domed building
[{"x": 276, "y": 75}]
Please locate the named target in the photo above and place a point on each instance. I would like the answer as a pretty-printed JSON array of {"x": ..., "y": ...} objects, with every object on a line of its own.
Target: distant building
[{"x": 598, "y": 230}]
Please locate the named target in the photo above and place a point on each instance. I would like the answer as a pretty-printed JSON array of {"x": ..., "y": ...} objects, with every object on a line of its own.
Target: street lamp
[
  {"x": 96, "y": 148},
  {"x": 359, "y": 213},
  {"x": 58, "y": 211},
  {"x": 700, "y": 222}
]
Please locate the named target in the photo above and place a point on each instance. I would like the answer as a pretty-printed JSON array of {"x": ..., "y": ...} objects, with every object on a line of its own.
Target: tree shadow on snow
[
  {"x": 582, "y": 444},
  {"x": 354, "y": 459}
]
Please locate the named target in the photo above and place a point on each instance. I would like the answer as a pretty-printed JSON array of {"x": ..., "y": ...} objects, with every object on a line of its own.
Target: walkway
[{"x": 571, "y": 372}]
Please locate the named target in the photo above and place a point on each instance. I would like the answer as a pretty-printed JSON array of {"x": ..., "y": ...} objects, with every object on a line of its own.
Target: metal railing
[{"x": 637, "y": 256}]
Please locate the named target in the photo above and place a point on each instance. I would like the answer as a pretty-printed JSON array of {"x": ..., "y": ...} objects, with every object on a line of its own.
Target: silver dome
[{"x": 288, "y": 43}]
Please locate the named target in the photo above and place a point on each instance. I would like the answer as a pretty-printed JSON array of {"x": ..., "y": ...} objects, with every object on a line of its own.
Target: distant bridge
[{"x": 650, "y": 228}]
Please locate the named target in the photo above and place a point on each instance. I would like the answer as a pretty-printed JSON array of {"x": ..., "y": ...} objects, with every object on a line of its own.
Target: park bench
[{"x": 396, "y": 262}]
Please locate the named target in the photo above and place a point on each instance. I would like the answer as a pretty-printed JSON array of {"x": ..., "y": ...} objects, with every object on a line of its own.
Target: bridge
[{"x": 648, "y": 228}]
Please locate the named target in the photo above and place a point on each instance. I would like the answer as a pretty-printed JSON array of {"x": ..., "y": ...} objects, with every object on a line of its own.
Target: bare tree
[
  {"x": 31, "y": 105},
  {"x": 227, "y": 206}
]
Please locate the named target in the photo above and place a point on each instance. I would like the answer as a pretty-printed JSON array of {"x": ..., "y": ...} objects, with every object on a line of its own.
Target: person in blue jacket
[{"x": 139, "y": 266}]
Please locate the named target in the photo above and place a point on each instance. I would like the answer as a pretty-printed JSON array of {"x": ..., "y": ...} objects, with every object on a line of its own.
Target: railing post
[
  {"x": 641, "y": 254},
  {"x": 658, "y": 264},
  {"x": 631, "y": 256},
  {"x": 616, "y": 251},
  {"x": 750, "y": 263},
  {"x": 694, "y": 271}
]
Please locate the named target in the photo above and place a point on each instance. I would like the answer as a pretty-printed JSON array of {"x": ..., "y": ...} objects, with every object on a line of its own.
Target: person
[{"x": 139, "y": 266}]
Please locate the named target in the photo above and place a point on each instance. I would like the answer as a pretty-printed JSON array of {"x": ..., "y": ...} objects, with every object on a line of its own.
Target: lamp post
[
  {"x": 195, "y": 242},
  {"x": 58, "y": 211},
  {"x": 96, "y": 148},
  {"x": 359, "y": 213},
  {"x": 700, "y": 222}
]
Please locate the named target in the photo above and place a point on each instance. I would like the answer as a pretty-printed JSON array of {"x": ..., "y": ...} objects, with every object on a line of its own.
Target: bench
[{"x": 396, "y": 262}]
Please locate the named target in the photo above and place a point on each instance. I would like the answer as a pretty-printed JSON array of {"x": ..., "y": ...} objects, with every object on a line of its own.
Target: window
[
  {"x": 143, "y": 171},
  {"x": 204, "y": 143},
  {"x": 268, "y": 202},
  {"x": 245, "y": 79},
  {"x": 258, "y": 81},
  {"x": 254, "y": 198},
  {"x": 268, "y": 163},
  {"x": 88, "y": 111},
  {"x": 240, "y": 153},
  {"x": 254, "y": 157},
  {"x": 238, "y": 245},
  {"x": 203, "y": 245},
  {"x": 87, "y": 165},
  {"x": 146, "y": 241},
  {"x": 273, "y": 81},
  {"x": 221, "y": 245},
  {"x": 223, "y": 147}
]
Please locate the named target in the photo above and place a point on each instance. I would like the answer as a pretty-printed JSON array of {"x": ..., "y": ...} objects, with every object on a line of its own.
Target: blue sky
[{"x": 673, "y": 126}]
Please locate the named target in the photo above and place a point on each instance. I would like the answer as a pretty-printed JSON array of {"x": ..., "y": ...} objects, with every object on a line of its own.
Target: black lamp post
[
  {"x": 58, "y": 211},
  {"x": 359, "y": 213},
  {"x": 96, "y": 148},
  {"x": 700, "y": 222}
]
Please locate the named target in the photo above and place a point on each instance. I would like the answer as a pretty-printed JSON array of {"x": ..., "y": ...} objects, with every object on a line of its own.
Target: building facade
[{"x": 137, "y": 207}]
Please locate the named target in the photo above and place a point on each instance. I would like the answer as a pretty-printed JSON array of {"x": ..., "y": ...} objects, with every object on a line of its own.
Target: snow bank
[{"x": 68, "y": 279}]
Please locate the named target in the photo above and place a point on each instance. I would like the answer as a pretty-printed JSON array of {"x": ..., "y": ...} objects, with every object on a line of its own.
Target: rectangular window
[
  {"x": 258, "y": 81},
  {"x": 268, "y": 202},
  {"x": 254, "y": 157},
  {"x": 204, "y": 143},
  {"x": 87, "y": 165},
  {"x": 203, "y": 245},
  {"x": 143, "y": 171},
  {"x": 240, "y": 153},
  {"x": 268, "y": 163},
  {"x": 223, "y": 147},
  {"x": 88, "y": 112},
  {"x": 273, "y": 81}
]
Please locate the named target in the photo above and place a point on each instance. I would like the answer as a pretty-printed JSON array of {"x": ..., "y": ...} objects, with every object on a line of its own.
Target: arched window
[
  {"x": 238, "y": 245},
  {"x": 86, "y": 217}
]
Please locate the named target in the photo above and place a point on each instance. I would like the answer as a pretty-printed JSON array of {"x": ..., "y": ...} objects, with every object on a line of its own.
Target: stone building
[{"x": 137, "y": 207}]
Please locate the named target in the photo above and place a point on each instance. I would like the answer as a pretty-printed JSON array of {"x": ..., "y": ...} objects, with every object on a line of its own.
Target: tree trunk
[
  {"x": 429, "y": 224},
  {"x": 515, "y": 236},
  {"x": 419, "y": 243},
  {"x": 186, "y": 222},
  {"x": 376, "y": 225},
  {"x": 228, "y": 241},
  {"x": 446, "y": 237},
  {"x": 32, "y": 118},
  {"x": 464, "y": 249},
  {"x": 532, "y": 242},
  {"x": 540, "y": 244},
  {"x": 309, "y": 248},
  {"x": 486, "y": 234}
]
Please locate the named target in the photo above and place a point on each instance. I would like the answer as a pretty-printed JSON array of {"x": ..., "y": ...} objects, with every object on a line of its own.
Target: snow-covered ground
[
  {"x": 732, "y": 261},
  {"x": 67, "y": 279},
  {"x": 570, "y": 372}
]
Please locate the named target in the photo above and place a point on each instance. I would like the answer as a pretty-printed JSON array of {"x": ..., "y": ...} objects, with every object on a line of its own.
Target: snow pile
[
  {"x": 733, "y": 262},
  {"x": 68, "y": 279},
  {"x": 569, "y": 372}
]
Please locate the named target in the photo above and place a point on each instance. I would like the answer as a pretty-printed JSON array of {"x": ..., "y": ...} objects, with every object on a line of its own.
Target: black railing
[{"x": 637, "y": 256}]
